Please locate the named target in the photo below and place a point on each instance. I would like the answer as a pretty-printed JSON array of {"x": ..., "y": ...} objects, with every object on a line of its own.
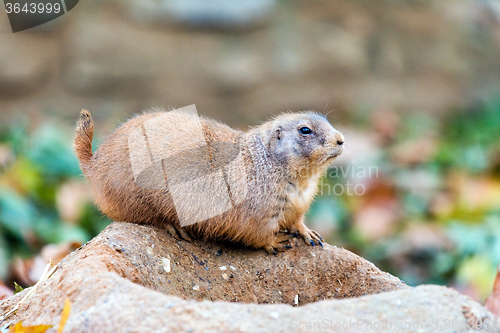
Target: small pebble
[
  {"x": 224, "y": 276},
  {"x": 222, "y": 268},
  {"x": 233, "y": 268},
  {"x": 196, "y": 288},
  {"x": 166, "y": 265}
]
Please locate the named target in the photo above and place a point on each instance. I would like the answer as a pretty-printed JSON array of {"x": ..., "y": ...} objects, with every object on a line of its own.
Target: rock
[
  {"x": 152, "y": 258},
  {"x": 123, "y": 306},
  {"x": 138, "y": 278}
]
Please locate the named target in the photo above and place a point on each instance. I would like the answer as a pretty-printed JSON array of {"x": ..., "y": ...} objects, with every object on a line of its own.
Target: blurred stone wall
[{"x": 240, "y": 65}]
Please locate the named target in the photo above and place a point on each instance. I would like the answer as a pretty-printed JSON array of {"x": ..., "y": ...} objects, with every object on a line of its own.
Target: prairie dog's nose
[{"x": 339, "y": 138}]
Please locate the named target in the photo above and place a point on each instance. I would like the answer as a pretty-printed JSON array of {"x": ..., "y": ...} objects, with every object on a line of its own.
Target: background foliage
[
  {"x": 413, "y": 86},
  {"x": 428, "y": 215}
]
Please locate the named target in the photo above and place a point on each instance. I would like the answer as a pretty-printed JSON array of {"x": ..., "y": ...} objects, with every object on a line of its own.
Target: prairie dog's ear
[
  {"x": 277, "y": 133},
  {"x": 276, "y": 136}
]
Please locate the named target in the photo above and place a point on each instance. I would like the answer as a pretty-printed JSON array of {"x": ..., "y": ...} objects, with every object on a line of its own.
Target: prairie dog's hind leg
[
  {"x": 269, "y": 237},
  {"x": 279, "y": 243}
]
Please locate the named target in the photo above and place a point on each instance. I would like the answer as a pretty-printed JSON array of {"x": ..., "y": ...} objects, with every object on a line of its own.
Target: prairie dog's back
[{"x": 110, "y": 169}]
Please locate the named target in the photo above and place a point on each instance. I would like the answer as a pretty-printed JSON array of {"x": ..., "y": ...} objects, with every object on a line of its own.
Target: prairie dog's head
[{"x": 306, "y": 141}]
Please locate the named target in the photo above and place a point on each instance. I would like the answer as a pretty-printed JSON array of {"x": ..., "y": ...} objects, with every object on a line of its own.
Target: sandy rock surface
[{"x": 133, "y": 278}]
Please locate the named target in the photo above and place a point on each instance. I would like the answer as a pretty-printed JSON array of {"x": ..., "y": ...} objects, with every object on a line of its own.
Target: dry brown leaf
[
  {"x": 54, "y": 252},
  {"x": 6, "y": 156},
  {"x": 423, "y": 236},
  {"x": 415, "y": 151},
  {"x": 18, "y": 328},
  {"x": 376, "y": 222},
  {"x": 5, "y": 292},
  {"x": 386, "y": 121},
  {"x": 71, "y": 199},
  {"x": 28, "y": 272},
  {"x": 20, "y": 271},
  {"x": 64, "y": 315}
]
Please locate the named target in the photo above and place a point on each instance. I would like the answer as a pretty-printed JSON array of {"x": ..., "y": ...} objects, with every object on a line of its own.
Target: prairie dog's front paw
[{"x": 309, "y": 236}]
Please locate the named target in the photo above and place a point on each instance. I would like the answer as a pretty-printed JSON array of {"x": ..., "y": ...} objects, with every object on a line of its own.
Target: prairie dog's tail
[{"x": 83, "y": 139}]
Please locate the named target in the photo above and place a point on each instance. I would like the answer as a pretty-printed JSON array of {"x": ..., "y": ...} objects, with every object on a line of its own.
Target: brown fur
[
  {"x": 282, "y": 168},
  {"x": 83, "y": 139}
]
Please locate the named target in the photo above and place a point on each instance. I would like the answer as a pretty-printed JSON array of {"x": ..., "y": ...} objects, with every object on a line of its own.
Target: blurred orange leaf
[
  {"x": 18, "y": 328},
  {"x": 64, "y": 316}
]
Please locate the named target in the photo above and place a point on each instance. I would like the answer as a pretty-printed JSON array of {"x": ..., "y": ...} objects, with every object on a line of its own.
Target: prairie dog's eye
[{"x": 305, "y": 130}]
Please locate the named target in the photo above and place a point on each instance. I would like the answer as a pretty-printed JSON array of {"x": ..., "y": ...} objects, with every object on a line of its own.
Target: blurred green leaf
[
  {"x": 469, "y": 239},
  {"x": 70, "y": 233},
  {"x": 443, "y": 263},
  {"x": 26, "y": 175},
  {"x": 17, "y": 288},
  {"x": 16, "y": 213},
  {"x": 469, "y": 136},
  {"x": 416, "y": 124},
  {"x": 15, "y": 135},
  {"x": 51, "y": 149},
  {"x": 46, "y": 229},
  {"x": 4, "y": 257},
  {"x": 92, "y": 220}
]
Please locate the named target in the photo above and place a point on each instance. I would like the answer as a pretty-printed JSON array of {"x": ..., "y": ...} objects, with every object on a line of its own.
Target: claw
[
  {"x": 288, "y": 246},
  {"x": 320, "y": 243},
  {"x": 295, "y": 234},
  {"x": 269, "y": 249},
  {"x": 282, "y": 238},
  {"x": 184, "y": 235},
  {"x": 312, "y": 243},
  {"x": 177, "y": 232}
]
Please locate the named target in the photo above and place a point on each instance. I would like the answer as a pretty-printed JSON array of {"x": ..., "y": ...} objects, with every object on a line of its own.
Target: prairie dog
[{"x": 242, "y": 187}]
